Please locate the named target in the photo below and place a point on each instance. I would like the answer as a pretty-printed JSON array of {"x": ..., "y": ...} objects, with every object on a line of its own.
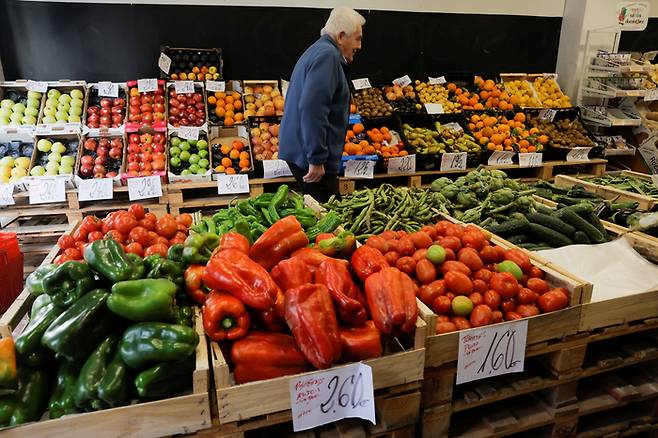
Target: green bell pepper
[
  {"x": 175, "y": 252},
  {"x": 110, "y": 260},
  {"x": 81, "y": 327},
  {"x": 149, "y": 299},
  {"x": 28, "y": 344},
  {"x": 39, "y": 302},
  {"x": 113, "y": 388},
  {"x": 165, "y": 379},
  {"x": 147, "y": 343},
  {"x": 184, "y": 316},
  {"x": 30, "y": 399},
  {"x": 68, "y": 282},
  {"x": 169, "y": 269},
  {"x": 199, "y": 247},
  {"x": 62, "y": 400},
  {"x": 34, "y": 281}
]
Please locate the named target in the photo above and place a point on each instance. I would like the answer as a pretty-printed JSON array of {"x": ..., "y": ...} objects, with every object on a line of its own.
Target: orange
[
  {"x": 237, "y": 104},
  {"x": 484, "y": 95},
  {"x": 238, "y": 145},
  {"x": 236, "y": 95},
  {"x": 503, "y": 105},
  {"x": 543, "y": 139},
  {"x": 532, "y": 149},
  {"x": 220, "y": 95},
  {"x": 243, "y": 164},
  {"x": 484, "y": 140},
  {"x": 478, "y": 106},
  {"x": 489, "y": 85},
  {"x": 403, "y": 153},
  {"x": 475, "y": 118},
  {"x": 234, "y": 154},
  {"x": 519, "y": 117},
  {"x": 490, "y": 121},
  {"x": 230, "y": 171},
  {"x": 533, "y": 131},
  {"x": 229, "y": 99},
  {"x": 364, "y": 143},
  {"x": 220, "y": 102},
  {"x": 244, "y": 155},
  {"x": 226, "y": 162},
  {"x": 497, "y": 139},
  {"x": 219, "y": 111},
  {"x": 478, "y": 81},
  {"x": 358, "y": 128},
  {"x": 523, "y": 144},
  {"x": 491, "y": 146},
  {"x": 487, "y": 132},
  {"x": 225, "y": 149},
  {"x": 220, "y": 169},
  {"x": 239, "y": 117},
  {"x": 228, "y": 121},
  {"x": 229, "y": 107},
  {"x": 451, "y": 86},
  {"x": 212, "y": 100}
]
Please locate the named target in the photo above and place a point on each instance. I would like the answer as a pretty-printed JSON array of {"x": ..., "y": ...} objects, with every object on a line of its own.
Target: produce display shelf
[{"x": 609, "y": 117}]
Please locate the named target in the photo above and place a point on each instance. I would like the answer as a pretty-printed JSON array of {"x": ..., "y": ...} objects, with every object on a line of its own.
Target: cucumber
[
  {"x": 570, "y": 215},
  {"x": 534, "y": 246},
  {"x": 518, "y": 238},
  {"x": 544, "y": 209},
  {"x": 551, "y": 222},
  {"x": 583, "y": 208},
  {"x": 593, "y": 219},
  {"x": 509, "y": 227},
  {"x": 550, "y": 236},
  {"x": 581, "y": 237}
]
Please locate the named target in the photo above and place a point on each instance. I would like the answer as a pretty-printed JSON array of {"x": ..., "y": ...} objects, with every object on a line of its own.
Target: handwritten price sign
[
  {"x": 491, "y": 351},
  {"x": 325, "y": 397},
  {"x": 147, "y": 85},
  {"x": 436, "y": 81},
  {"x": 7, "y": 194},
  {"x": 47, "y": 190},
  {"x": 232, "y": 184},
  {"x": 360, "y": 84},
  {"x": 500, "y": 158},
  {"x": 275, "y": 169},
  {"x": 95, "y": 189},
  {"x": 453, "y": 161},
  {"x": 403, "y": 81},
  {"x": 164, "y": 62},
  {"x": 547, "y": 114},
  {"x": 184, "y": 87},
  {"x": 578, "y": 154},
  {"x": 434, "y": 108},
  {"x": 359, "y": 169},
  {"x": 530, "y": 159},
  {"x": 38, "y": 86},
  {"x": 215, "y": 86},
  {"x": 144, "y": 188},
  {"x": 406, "y": 164},
  {"x": 188, "y": 132},
  {"x": 108, "y": 89}
]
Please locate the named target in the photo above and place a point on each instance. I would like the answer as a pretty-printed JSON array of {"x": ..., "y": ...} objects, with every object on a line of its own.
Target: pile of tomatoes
[{"x": 138, "y": 231}]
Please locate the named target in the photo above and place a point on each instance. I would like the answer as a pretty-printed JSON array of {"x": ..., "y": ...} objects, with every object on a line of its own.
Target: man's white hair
[{"x": 342, "y": 19}]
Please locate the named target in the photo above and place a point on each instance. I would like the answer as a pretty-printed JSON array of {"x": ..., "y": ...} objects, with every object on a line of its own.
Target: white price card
[
  {"x": 95, "y": 189},
  {"x": 147, "y": 85},
  {"x": 453, "y": 126},
  {"x": 216, "y": 86},
  {"x": 359, "y": 169},
  {"x": 235, "y": 85},
  {"x": 403, "y": 81},
  {"x": 360, "y": 84},
  {"x": 406, "y": 164},
  {"x": 547, "y": 114},
  {"x": 578, "y": 154},
  {"x": 651, "y": 95},
  {"x": 328, "y": 396},
  {"x": 184, "y": 87},
  {"x": 491, "y": 351},
  {"x": 434, "y": 108},
  {"x": 530, "y": 159},
  {"x": 188, "y": 132},
  {"x": 232, "y": 184},
  {"x": 144, "y": 187},
  {"x": 45, "y": 190},
  {"x": 108, "y": 89},
  {"x": 436, "y": 81},
  {"x": 275, "y": 169},
  {"x": 40, "y": 86},
  {"x": 164, "y": 62},
  {"x": 453, "y": 161},
  {"x": 284, "y": 87},
  {"x": 500, "y": 157},
  {"x": 7, "y": 194}
]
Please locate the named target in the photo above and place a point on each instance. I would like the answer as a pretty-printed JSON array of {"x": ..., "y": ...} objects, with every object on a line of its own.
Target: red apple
[
  {"x": 159, "y": 148},
  {"x": 90, "y": 144},
  {"x": 158, "y": 108},
  {"x": 146, "y": 108},
  {"x": 115, "y": 153},
  {"x": 117, "y": 119},
  {"x": 118, "y": 101},
  {"x": 134, "y": 101},
  {"x": 133, "y": 138},
  {"x": 158, "y": 99},
  {"x": 197, "y": 97},
  {"x": 106, "y": 103},
  {"x": 158, "y": 137},
  {"x": 133, "y": 166},
  {"x": 86, "y": 160},
  {"x": 146, "y": 138},
  {"x": 101, "y": 159},
  {"x": 86, "y": 170},
  {"x": 158, "y": 116},
  {"x": 102, "y": 150}
]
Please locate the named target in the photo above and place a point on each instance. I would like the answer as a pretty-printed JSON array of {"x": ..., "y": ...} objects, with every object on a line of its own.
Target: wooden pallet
[
  {"x": 23, "y": 208},
  {"x": 120, "y": 201}
]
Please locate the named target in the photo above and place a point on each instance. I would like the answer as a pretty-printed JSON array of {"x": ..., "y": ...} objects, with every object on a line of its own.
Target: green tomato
[
  {"x": 436, "y": 254},
  {"x": 511, "y": 267},
  {"x": 462, "y": 306}
]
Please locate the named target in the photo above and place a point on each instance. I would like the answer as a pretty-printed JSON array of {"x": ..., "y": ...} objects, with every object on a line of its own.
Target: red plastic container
[{"x": 11, "y": 270}]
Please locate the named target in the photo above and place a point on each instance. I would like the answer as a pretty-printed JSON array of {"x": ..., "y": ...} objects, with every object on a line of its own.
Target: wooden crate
[
  {"x": 23, "y": 207},
  {"x": 120, "y": 201}
]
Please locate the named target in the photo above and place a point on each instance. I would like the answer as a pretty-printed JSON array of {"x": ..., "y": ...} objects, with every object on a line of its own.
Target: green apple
[
  {"x": 203, "y": 153},
  {"x": 194, "y": 158},
  {"x": 75, "y": 111},
  {"x": 22, "y": 162},
  {"x": 174, "y": 151},
  {"x": 175, "y": 162},
  {"x": 65, "y": 170},
  {"x": 18, "y": 108},
  {"x": 175, "y": 141},
  {"x": 74, "y": 119},
  {"x": 29, "y": 111},
  {"x": 54, "y": 157},
  {"x": 54, "y": 93},
  {"x": 7, "y": 161},
  {"x": 4, "y": 121},
  {"x": 76, "y": 103},
  {"x": 6, "y": 103},
  {"x": 63, "y": 107},
  {"x": 202, "y": 144},
  {"x": 49, "y": 111},
  {"x": 18, "y": 172},
  {"x": 185, "y": 172},
  {"x": 61, "y": 116},
  {"x": 44, "y": 145},
  {"x": 185, "y": 146},
  {"x": 33, "y": 103},
  {"x": 37, "y": 171},
  {"x": 68, "y": 160},
  {"x": 5, "y": 112},
  {"x": 204, "y": 163},
  {"x": 16, "y": 117},
  {"x": 52, "y": 165},
  {"x": 52, "y": 172},
  {"x": 52, "y": 103},
  {"x": 48, "y": 120},
  {"x": 201, "y": 171},
  {"x": 29, "y": 120},
  {"x": 192, "y": 142},
  {"x": 64, "y": 98},
  {"x": 58, "y": 147},
  {"x": 194, "y": 168},
  {"x": 77, "y": 94},
  {"x": 184, "y": 156},
  {"x": 34, "y": 95}
]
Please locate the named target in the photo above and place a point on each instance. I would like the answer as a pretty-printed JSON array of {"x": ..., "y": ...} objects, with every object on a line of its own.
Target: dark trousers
[{"x": 321, "y": 190}]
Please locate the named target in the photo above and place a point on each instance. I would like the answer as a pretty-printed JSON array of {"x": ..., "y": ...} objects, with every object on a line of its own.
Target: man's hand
[{"x": 315, "y": 173}]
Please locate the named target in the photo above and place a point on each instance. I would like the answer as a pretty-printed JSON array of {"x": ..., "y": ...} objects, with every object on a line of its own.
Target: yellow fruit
[{"x": 5, "y": 171}]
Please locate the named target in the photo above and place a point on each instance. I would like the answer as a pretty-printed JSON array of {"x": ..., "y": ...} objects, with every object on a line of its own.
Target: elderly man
[{"x": 317, "y": 105}]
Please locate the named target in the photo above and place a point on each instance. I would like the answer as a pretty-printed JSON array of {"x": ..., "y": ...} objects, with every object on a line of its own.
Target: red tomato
[
  {"x": 451, "y": 242},
  {"x": 406, "y": 247},
  {"x": 450, "y": 255},
  {"x": 496, "y": 316},
  {"x": 393, "y": 245},
  {"x": 425, "y": 271},
  {"x": 500, "y": 254},
  {"x": 181, "y": 228},
  {"x": 445, "y": 327},
  {"x": 158, "y": 248},
  {"x": 421, "y": 239},
  {"x": 451, "y": 265},
  {"x": 166, "y": 227},
  {"x": 430, "y": 230},
  {"x": 480, "y": 286},
  {"x": 450, "y": 295},
  {"x": 538, "y": 285},
  {"x": 135, "y": 248},
  {"x": 428, "y": 293},
  {"x": 74, "y": 253},
  {"x": 441, "y": 227},
  {"x": 153, "y": 238},
  {"x": 535, "y": 272},
  {"x": 512, "y": 316},
  {"x": 461, "y": 322},
  {"x": 527, "y": 310},
  {"x": 519, "y": 257},
  {"x": 505, "y": 284},
  {"x": 484, "y": 275},
  {"x": 378, "y": 242},
  {"x": 553, "y": 300},
  {"x": 125, "y": 223},
  {"x": 140, "y": 235},
  {"x": 419, "y": 255},
  {"x": 455, "y": 230},
  {"x": 488, "y": 254},
  {"x": 80, "y": 234},
  {"x": 392, "y": 257},
  {"x": 442, "y": 305},
  {"x": 94, "y": 235},
  {"x": 458, "y": 283},
  {"x": 492, "y": 299},
  {"x": 179, "y": 236},
  {"x": 481, "y": 315},
  {"x": 526, "y": 296},
  {"x": 92, "y": 223},
  {"x": 116, "y": 235},
  {"x": 151, "y": 216},
  {"x": 389, "y": 235},
  {"x": 162, "y": 240},
  {"x": 146, "y": 223},
  {"x": 80, "y": 246},
  {"x": 406, "y": 265},
  {"x": 401, "y": 234},
  {"x": 476, "y": 298},
  {"x": 65, "y": 241},
  {"x": 508, "y": 305},
  {"x": 61, "y": 259},
  {"x": 137, "y": 210},
  {"x": 174, "y": 241},
  {"x": 442, "y": 318},
  {"x": 185, "y": 219},
  {"x": 524, "y": 280},
  {"x": 470, "y": 258},
  {"x": 322, "y": 236},
  {"x": 473, "y": 238}
]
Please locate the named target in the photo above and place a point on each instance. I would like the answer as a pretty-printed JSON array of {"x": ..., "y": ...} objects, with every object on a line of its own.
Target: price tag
[
  {"x": 453, "y": 161},
  {"x": 547, "y": 114},
  {"x": 95, "y": 189},
  {"x": 403, "y": 81},
  {"x": 235, "y": 85},
  {"x": 144, "y": 187},
  {"x": 184, "y": 87},
  {"x": 649, "y": 56},
  {"x": 491, "y": 351},
  {"x": 578, "y": 154},
  {"x": 39, "y": 86},
  {"x": 360, "y": 84},
  {"x": 284, "y": 87},
  {"x": 275, "y": 169},
  {"x": 530, "y": 159},
  {"x": 406, "y": 164},
  {"x": 436, "y": 81},
  {"x": 164, "y": 62},
  {"x": 550, "y": 76},
  {"x": 453, "y": 126},
  {"x": 215, "y": 86},
  {"x": 232, "y": 184},
  {"x": 108, "y": 89},
  {"x": 7, "y": 194},
  {"x": 147, "y": 85},
  {"x": 500, "y": 157},
  {"x": 359, "y": 169},
  {"x": 188, "y": 132},
  {"x": 651, "y": 95},
  {"x": 325, "y": 397},
  {"x": 354, "y": 118},
  {"x": 434, "y": 108},
  {"x": 45, "y": 190}
]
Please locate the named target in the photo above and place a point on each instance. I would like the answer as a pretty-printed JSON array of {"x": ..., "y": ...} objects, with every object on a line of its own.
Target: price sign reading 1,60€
[
  {"x": 232, "y": 184},
  {"x": 144, "y": 187},
  {"x": 406, "y": 164},
  {"x": 359, "y": 169},
  {"x": 95, "y": 189},
  {"x": 324, "y": 397},
  {"x": 453, "y": 161},
  {"x": 45, "y": 190},
  {"x": 530, "y": 159}
]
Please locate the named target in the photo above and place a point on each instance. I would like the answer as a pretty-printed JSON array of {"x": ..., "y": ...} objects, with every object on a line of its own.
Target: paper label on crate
[
  {"x": 403, "y": 81},
  {"x": 232, "y": 184},
  {"x": 406, "y": 164},
  {"x": 184, "y": 87},
  {"x": 275, "y": 169},
  {"x": 436, "y": 81},
  {"x": 651, "y": 95},
  {"x": 7, "y": 194},
  {"x": 578, "y": 154},
  {"x": 500, "y": 157},
  {"x": 453, "y": 161},
  {"x": 434, "y": 108},
  {"x": 45, "y": 190},
  {"x": 328, "y": 396},
  {"x": 547, "y": 114},
  {"x": 235, "y": 85},
  {"x": 188, "y": 132},
  {"x": 360, "y": 169},
  {"x": 284, "y": 87},
  {"x": 108, "y": 89},
  {"x": 491, "y": 351},
  {"x": 550, "y": 76},
  {"x": 40, "y": 86},
  {"x": 649, "y": 56},
  {"x": 147, "y": 85},
  {"x": 144, "y": 187},
  {"x": 453, "y": 126},
  {"x": 360, "y": 84},
  {"x": 530, "y": 159},
  {"x": 242, "y": 131},
  {"x": 215, "y": 86},
  {"x": 95, "y": 189},
  {"x": 164, "y": 62}
]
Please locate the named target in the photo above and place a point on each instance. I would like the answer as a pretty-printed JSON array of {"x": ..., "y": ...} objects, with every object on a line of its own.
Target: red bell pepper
[
  {"x": 312, "y": 257},
  {"x": 324, "y": 236},
  {"x": 360, "y": 343},
  {"x": 224, "y": 317},
  {"x": 194, "y": 287},
  {"x": 271, "y": 319},
  {"x": 391, "y": 298},
  {"x": 234, "y": 240},
  {"x": 336, "y": 277},
  {"x": 341, "y": 246},
  {"x": 278, "y": 242},
  {"x": 234, "y": 272},
  {"x": 367, "y": 260},
  {"x": 291, "y": 273},
  {"x": 261, "y": 356},
  {"x": 311, "y": 316}
]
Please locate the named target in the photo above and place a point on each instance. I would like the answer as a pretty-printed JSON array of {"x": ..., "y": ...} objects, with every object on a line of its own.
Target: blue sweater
[{"x": 316, "y": 109}]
